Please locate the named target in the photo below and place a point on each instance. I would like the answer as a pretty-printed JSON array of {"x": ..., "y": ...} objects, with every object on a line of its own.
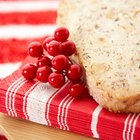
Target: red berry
[
  {"x": 68, "y": 48},
  {"x": 53, "y": 48},
  {"x": 76, "y": 90},
  {"x": 29, "y": 71},
  {"x": 74, "y": 72},
  {"x": 60, "y": 62},
  {"x": 43, "y": 73},
  {"x": 56, "y": 80},
  {"x": 47, "y": 41},
  {"x": 44, "y": 61},
  {"x": 61, "y": 34},
  {"x": 35, "y": 49}
]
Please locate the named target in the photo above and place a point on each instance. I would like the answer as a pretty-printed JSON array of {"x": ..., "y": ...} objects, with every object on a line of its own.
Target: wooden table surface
[{"x": 17, "y": 129}]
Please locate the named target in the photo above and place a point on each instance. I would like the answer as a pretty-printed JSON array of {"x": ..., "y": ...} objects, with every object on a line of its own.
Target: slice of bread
[{"x": 107, "y": 36}]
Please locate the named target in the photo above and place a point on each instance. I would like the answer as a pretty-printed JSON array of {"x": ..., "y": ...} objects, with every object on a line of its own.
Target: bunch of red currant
[{"x": 55, "y": 65}]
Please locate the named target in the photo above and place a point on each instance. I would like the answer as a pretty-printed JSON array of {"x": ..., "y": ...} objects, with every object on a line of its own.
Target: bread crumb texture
[{"x": 107, "y": 36}]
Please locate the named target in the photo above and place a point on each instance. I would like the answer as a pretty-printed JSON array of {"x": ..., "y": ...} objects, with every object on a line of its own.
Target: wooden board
[{"x": 17, "y": 129}]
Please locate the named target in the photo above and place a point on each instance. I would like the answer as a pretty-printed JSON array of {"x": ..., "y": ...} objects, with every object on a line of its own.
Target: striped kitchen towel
[
  {"x": 21, "y": 22},
  {"x": 39, "y": 102}
]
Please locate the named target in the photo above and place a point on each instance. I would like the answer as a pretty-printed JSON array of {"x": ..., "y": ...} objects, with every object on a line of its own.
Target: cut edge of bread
[{"x": 112, "y": 103}]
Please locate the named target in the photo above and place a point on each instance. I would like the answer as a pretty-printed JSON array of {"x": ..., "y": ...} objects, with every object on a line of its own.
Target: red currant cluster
[{"x": 54, "y": 65}]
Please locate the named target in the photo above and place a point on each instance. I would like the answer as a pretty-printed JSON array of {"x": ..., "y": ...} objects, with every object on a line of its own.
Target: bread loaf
[{"x": 107, "y": 37}]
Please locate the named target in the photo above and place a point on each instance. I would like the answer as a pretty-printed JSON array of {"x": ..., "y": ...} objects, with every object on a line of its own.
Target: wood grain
[{"x": 17, "y": 129}]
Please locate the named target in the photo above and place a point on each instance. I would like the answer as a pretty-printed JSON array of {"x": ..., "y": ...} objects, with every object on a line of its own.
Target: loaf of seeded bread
[{"x": 107, "y": 36}]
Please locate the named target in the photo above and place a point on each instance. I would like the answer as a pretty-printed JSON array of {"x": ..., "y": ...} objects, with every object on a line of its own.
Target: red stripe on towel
[{"x": 47, "y": 17}]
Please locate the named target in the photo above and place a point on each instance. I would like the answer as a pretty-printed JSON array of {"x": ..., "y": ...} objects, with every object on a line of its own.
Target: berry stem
[{"x": 70, "y": 60}]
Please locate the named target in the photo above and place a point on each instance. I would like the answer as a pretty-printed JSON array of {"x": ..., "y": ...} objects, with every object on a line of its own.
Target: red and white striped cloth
[
  {"x": 39, "y": 102},
  {"x": 21, "y": 22}
]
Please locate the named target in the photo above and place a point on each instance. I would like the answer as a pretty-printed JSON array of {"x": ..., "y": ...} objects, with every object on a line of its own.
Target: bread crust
[{"x": 117, "y": 95}]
